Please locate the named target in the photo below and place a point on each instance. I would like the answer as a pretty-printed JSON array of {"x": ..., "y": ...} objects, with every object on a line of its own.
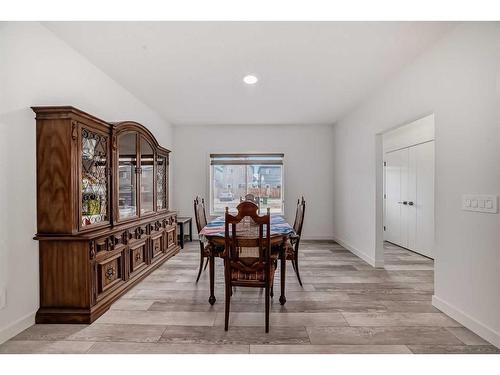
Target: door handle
[
  {"x": 405, "y": 203},
  {"x": 411, "y": 203}
]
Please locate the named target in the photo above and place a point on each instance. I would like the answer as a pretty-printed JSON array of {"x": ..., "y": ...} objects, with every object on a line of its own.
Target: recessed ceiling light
[{"x": 250, "y": 79}]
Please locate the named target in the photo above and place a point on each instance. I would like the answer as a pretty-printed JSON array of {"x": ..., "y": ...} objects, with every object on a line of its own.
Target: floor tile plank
[
  {"x": 451, "y": 349},
  {"x": 45, "y": 347},
  {"x": 467, "y": 337},
  {"x": 164, "y": 348},
  {"x": 381, "y": 336},
  {"x": 329, "y": 349},
  {"x": 119, "y": 332},
  {"x": 158, "y": 317},
  {"x": 250, "y": 319},
  {"x": 235, "y": 335},
  {"x": 407, "y": 319}
]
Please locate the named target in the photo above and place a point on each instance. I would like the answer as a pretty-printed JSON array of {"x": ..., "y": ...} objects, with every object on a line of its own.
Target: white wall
[
  {"x": 308, "y": 172},
  {"x": 458, "y": 80},
  {"x": 37, "y": 68}
]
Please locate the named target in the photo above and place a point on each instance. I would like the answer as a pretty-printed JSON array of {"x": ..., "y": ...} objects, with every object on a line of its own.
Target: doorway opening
[{"x": 405, "y": 194}]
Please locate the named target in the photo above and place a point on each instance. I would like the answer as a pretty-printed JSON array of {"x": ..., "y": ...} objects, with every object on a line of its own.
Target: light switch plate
[
  {"x": 480, "y": 203},
  {"x": 3, "y": 298}
]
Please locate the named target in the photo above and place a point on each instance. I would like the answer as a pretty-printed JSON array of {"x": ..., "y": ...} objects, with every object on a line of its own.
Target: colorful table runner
[{"x": 217, "y": 227}]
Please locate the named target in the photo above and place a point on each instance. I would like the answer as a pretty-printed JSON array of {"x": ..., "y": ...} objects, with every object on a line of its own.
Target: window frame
[{"x": 246, "y": 159}]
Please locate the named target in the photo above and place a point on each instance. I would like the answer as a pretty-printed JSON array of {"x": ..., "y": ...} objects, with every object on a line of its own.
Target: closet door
[
  {"x": 409, "y": 185},
  {"x": 411, "y": 198},
  {"x": 405, "y": 188},
  {"x": 396, "y": 222},
  {"x": 424, "y": 203}
]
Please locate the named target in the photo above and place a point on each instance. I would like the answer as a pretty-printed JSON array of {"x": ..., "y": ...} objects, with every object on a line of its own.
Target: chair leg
[
  {"x": 282, "y": 275},
  {"x": 272, "y": 287},
  {"x": 211, "y": 270},
  {"x": 228, "y": 302},
  {"x": 296, "y": 262},
  {"x": 201, "y": 262},
  {"x": 206, "y": 264},
  {"x": 267, "y": 307}
]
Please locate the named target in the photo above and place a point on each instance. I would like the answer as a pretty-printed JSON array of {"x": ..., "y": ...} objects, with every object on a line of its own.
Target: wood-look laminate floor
[{"x": 345, "y": 306}]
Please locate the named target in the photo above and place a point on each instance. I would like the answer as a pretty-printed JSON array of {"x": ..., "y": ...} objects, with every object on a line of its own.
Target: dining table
[{"x": 214, "y": 233}]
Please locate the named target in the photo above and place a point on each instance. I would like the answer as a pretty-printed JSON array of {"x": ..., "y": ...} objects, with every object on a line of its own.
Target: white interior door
[
  {"x": 411, "y": 198},
  {"x": 405, "y": 189},
  {"x": 409, "y": 203},
  {"x": 396, "y": 219},
  {"x": 424, "y": 203}
]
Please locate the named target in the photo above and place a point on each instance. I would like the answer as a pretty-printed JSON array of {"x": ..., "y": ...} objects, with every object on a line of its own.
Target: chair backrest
[
  {"x": 299, "y": 216},
  {"x": 248, "y": 231},
  {"x": 199, "y": 213},
  {"x": 251, "y": 198}
]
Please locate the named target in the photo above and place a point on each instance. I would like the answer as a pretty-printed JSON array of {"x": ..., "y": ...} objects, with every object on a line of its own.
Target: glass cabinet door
[
  {"x": 127, "y": 180},
  {"x": 161, "y": 182},
  {"x": 94, "y": 178},
  {"x": 147, "y": 177}
]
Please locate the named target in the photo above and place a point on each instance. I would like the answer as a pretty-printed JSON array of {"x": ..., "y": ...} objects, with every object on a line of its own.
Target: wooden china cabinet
[{"x": 102, "y": 211}]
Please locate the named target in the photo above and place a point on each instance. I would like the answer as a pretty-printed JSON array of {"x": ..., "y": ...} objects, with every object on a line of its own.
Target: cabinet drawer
[
  {"x": 171, "y": 237},
  {"x": 157, "y": 245},
  {"x": 109, "y": 272},
  {"x": 138, "y": 256}
]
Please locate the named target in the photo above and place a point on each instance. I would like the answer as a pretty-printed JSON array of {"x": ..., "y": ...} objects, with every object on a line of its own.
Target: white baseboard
[
  {"x": 467, "y": 321},
  {"x": 358, "y": 253},
  {"x": 17, "y": 327},
  {"x": 317, "y": 238}
]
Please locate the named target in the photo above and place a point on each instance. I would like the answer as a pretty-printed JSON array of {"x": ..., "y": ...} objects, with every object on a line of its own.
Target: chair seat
[{"x": 238, "y": 274}]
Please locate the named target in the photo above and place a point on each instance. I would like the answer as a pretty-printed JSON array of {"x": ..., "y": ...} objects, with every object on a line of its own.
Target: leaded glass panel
[
  {"x": 161, "y": 182},
  {"x": 147, "y": 177},
  {"x": 94, "y": 179}
]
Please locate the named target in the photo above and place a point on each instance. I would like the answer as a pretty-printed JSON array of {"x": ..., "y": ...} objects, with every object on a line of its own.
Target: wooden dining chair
[
  {"x": 201, "y": 222},
  {"x": 292, "y": 245},
  {"x": 248, "y": 258}
]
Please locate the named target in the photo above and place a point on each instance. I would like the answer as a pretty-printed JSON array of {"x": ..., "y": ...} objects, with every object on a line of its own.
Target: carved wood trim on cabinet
[{"x": 88, "y": 258}]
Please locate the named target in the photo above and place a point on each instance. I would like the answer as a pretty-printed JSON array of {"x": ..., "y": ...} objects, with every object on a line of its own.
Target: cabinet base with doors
[{"x": 102, "y": 212}]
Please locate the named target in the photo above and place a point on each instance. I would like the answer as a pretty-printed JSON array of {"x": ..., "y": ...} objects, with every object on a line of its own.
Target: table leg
[
  {"x": 211, "y": 299},
  {"x": 181, "y": 240},
  {"x": 283, "y": 274},
  {"x": 190, "y": 230}
]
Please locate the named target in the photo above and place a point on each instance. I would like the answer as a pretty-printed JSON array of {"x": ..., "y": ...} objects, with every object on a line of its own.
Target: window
[{"x": 232, "y": 176}]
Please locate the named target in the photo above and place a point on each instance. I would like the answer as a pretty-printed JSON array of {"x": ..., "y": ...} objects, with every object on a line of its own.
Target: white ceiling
[{"x": 191, "y": 72}]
